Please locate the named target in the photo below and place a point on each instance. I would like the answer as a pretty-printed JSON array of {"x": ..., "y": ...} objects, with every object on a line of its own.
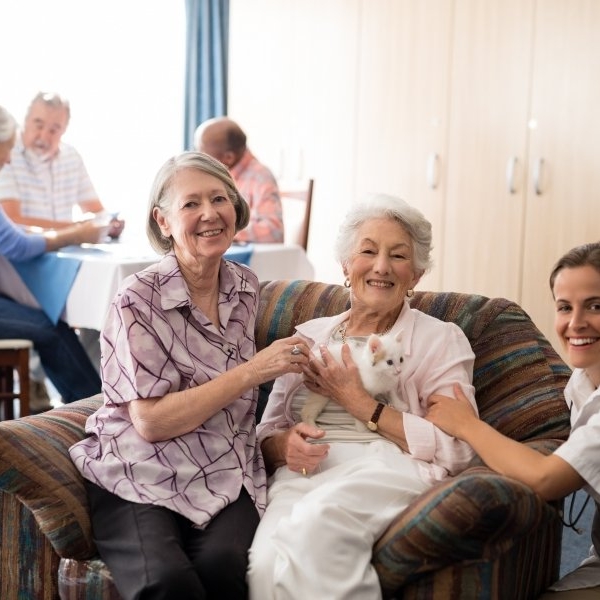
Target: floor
[{"x": 575, "y": 546}]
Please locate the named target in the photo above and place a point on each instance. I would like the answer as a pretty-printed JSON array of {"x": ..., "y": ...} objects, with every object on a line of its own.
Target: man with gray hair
[
  {"x": 59, "y": 348},
  {"x": 45, "y": 180},
  {"x": 46, "y": 177}
]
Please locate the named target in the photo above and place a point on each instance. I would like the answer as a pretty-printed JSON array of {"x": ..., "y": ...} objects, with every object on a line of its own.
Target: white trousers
[{"x": 316, "y": 537}]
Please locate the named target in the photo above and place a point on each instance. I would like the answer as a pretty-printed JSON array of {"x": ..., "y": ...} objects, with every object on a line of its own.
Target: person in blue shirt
[{"x": 63, "y": 357}]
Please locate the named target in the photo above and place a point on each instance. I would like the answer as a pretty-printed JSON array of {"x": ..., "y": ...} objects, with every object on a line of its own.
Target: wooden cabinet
[
  {"x": 523, "y": 182},
  {"x": 489, "y": 108},
  {"x": 402, "y": 107},
  {"x": 562, "y": 208},
  {"x": 484, "y": 114}
]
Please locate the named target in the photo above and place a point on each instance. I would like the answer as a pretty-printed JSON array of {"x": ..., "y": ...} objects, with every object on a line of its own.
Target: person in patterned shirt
[
  {"x": 224, "y": 140},
  {"x": 46, "y": 177},
  {"x": 61, "y": 353},
  {"x": 45, "y": 180},
  {"x": 174, "y": 474}
]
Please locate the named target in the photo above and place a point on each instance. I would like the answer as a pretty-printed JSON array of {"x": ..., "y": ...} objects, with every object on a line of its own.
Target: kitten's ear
[
  {"x": 375, "y": 347},
  {"x": 374, "y": 343}
]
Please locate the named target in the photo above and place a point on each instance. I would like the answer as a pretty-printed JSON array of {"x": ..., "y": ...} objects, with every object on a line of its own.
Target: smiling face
[
  {"x": 44, "y": 128},
  {"x": 201, "y": 217},
  {"x": 577, "y": 319},
  {"x": 381, "y": 269}
]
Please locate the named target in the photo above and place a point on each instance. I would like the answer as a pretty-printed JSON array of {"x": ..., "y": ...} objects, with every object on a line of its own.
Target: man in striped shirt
[
  {"x": 47, "y": 178},
  {"x": 44, "y": 181}
]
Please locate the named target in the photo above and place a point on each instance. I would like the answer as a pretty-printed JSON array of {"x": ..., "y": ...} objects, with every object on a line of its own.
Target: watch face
[{"x": 372, "y": 426}]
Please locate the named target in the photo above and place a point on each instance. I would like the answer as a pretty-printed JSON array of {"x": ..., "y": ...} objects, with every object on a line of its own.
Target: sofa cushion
[
  {"x": 477, "y": 515},
  {"x": 36, "y": 467}
]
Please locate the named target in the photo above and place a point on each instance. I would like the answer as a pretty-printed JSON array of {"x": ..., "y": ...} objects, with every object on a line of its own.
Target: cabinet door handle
[
  {"x": 511, "y": 167},
  {"x": 537, "y": 176},
  {"x": 433, "y": 175}
]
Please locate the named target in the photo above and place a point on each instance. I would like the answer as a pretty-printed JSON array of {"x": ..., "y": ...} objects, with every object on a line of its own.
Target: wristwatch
[{"x": 372, "y": 423}]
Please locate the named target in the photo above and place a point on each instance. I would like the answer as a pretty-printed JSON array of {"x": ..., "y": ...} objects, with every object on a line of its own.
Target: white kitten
[{"x": 378, "y": 363}]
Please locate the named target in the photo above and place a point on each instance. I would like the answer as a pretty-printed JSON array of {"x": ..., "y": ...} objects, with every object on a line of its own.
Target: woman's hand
[
  {"x": 330, "y": 378},
  {"x": 302, "y": 456},
  {"x": 90, "y": 232},
  {"x": 115, "y": 227},
  {"x": 287, "y": 355},
  {"x": 452, "y": 415}
]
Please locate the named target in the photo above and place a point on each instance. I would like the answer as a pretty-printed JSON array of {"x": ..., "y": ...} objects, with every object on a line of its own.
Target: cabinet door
[
  {"x": 563, "y": 206},
  {"x": 402, "y": 107},
  {"x": 490, "y": 82}
]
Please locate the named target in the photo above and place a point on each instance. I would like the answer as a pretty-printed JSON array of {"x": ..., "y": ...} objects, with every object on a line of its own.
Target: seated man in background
[
  {"x": 47, "y": 178},
  {"x": 224, "y": 140},
  {"x": 44, "y": 181},
  {"x": 67, "y": 364}
]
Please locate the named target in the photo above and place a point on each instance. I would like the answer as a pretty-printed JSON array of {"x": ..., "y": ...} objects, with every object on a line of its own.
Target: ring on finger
[
  {"x": 296, "y": 350},
  {"x": 303, "y": 471}
]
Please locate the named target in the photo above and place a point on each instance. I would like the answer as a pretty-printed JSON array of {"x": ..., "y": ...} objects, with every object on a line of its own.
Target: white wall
[{"x": 121, "y": 64}]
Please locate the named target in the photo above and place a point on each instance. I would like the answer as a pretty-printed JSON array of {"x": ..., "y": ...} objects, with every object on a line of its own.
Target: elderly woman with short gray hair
[
  {"x": 174, "y": 474},
  {"x": 335, "y": 486}
]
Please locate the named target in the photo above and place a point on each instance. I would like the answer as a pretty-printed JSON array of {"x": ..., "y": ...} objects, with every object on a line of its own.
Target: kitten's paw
[{"x": 360, "y": 426}]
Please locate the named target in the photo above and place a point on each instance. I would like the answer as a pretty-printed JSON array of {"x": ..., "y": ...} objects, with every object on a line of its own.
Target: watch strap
[{"x": 374, "y": 420}]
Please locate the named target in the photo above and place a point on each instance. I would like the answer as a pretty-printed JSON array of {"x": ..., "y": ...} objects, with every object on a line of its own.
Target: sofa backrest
[{"x": 518, "y": 377}]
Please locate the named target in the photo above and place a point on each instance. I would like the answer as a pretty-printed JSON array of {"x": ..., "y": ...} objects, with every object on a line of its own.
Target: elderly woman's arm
[
  {"x": 177, "y": 413},
  {"x": 282, "y": 441},
  {"x": 445, "y": 359},
  {"x": 549, "y": 476},
  {"x": 344, "y": 384}
]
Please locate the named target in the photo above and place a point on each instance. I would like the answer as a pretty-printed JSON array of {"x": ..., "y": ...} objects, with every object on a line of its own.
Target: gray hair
[
  {"x": 387, "y": 207},
  {"x": 8, "y": 125},
  {"x": 53, "y": 100},
  {"x": 161, "y": 197}
]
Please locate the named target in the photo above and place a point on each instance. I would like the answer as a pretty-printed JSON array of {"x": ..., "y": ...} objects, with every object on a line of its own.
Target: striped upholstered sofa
[{"x": 479, "y": 535}]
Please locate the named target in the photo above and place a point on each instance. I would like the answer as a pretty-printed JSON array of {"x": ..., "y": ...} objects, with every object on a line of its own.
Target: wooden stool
[{"x": 14, "y": 355}]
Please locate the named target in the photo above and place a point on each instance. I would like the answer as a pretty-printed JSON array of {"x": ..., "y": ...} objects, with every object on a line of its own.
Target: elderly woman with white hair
[
  {"x": 63, "y": 357},
  {"x": 335, "y": 487}
]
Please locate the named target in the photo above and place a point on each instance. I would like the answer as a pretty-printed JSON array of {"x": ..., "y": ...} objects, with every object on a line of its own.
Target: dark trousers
[
  {"x": 156, "y": 554},
  {"x": 64, "y": 359}
]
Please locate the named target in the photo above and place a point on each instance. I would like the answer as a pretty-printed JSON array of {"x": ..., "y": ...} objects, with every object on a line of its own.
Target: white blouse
[{"x": 582, "y": 452}]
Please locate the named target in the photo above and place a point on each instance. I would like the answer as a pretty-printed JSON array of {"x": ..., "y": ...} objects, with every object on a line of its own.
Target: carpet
[{"x": 576, "y": 546}]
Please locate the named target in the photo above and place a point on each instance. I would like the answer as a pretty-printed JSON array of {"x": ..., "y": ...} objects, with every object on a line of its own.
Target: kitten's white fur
[{"x": 378, "y": 362}]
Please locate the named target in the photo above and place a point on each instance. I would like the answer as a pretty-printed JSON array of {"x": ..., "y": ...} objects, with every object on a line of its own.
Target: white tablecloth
[
  {"x": 103, "y": 267},
  {"x": 98, "y": 280}
]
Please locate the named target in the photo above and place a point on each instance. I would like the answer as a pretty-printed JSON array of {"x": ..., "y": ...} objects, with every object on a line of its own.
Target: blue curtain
[{"x": 207, "y": 35}]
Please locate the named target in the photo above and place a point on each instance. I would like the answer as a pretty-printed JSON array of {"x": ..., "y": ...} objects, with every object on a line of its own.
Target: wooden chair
[
  {"x": 14, "y": 356},
  {"x": 296, "y": 203}
]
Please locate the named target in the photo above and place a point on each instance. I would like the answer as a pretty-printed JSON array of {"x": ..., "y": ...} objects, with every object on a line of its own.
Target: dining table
[{"x": 78, "y": 283}]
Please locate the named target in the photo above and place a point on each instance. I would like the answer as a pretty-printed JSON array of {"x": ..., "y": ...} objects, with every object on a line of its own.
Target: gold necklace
[{"x": 344, "y": 326}]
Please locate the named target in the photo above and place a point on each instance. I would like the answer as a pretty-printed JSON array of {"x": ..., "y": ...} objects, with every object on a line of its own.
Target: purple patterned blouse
[{"x": 155, "y": 342}]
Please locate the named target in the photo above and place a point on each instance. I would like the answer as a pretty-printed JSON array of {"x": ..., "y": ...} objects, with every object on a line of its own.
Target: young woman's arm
[{"x": 549, "y": 476}]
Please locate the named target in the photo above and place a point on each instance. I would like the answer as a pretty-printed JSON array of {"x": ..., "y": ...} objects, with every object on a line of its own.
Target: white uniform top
[{"x": 582, "y": 452}]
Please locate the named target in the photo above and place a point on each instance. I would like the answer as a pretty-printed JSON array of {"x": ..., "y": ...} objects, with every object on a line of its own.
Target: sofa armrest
[
  {"x": 36, "y": 467},
  {"x": 475, "y": 516}
]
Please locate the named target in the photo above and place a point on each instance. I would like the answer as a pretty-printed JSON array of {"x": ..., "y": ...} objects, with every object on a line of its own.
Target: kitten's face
[{"x": 385, "y": 353}]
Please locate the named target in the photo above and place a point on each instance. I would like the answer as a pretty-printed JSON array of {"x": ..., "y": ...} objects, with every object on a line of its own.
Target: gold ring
[{"x": 303, "y": 471}]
